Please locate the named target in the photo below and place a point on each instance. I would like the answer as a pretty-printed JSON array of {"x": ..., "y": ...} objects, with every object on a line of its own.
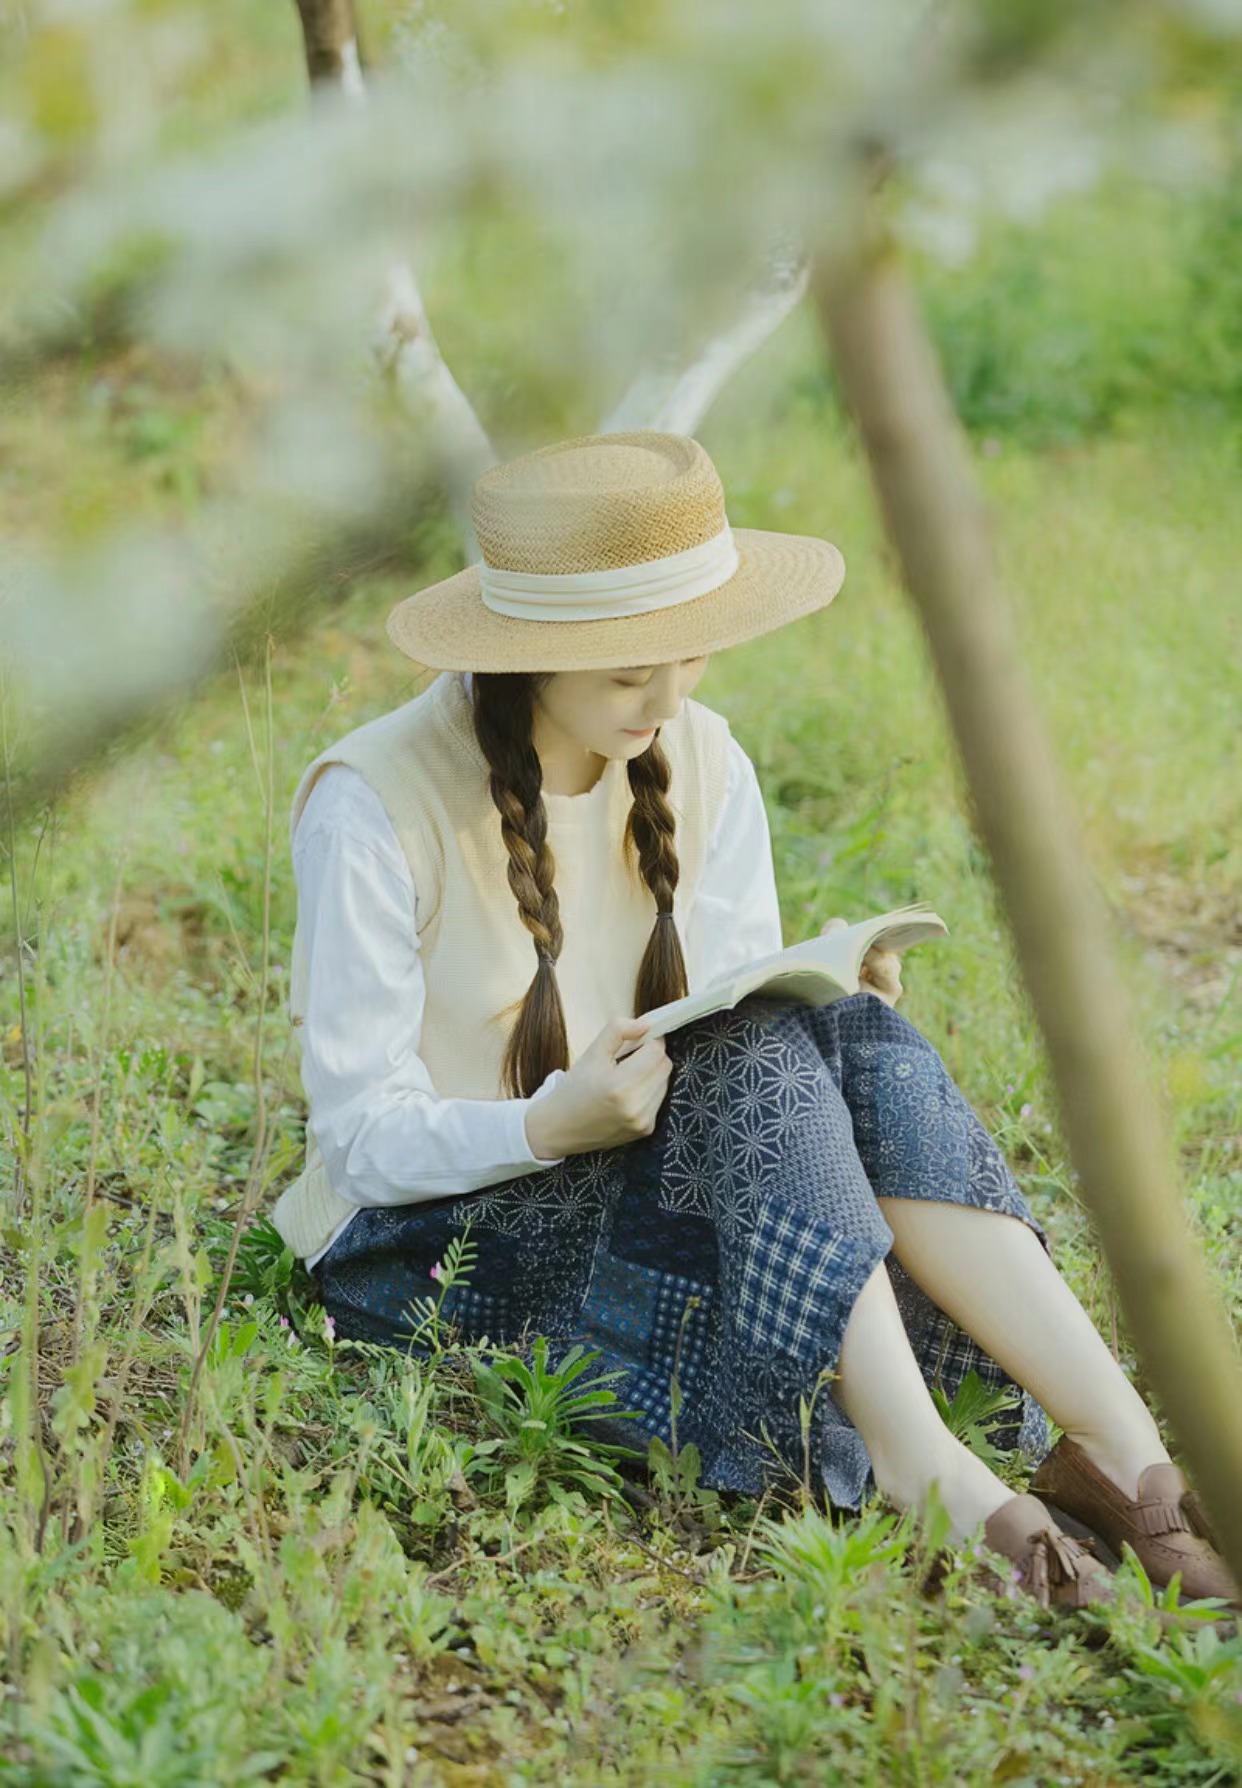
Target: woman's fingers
[
  {"x": 881, "y": 973},
  {"x": 881, "y": 969},
  {"x": 884, "y": 963},
  {"x": 645, "y": 1063}
]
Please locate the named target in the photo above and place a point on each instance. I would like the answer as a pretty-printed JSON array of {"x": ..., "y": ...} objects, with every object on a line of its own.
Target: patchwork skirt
[{"x": 728, "y": 1246}]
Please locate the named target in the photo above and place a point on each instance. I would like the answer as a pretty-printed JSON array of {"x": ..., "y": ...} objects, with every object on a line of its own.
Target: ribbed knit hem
[{"x": 307, "y": 1212}]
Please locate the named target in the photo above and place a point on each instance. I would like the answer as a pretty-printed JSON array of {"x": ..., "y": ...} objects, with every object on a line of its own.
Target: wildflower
[
  {"x": 437, "y": 1271},
  {"x": 835, "y": 1698},
  {"x": 329, "y": 1329},
  {"x": 284, "y": 1322},
  {"x": 1026, "y": 1111},
  {"x": 248, "y": 1300},
  {"x": 1026, "y": 1671}
]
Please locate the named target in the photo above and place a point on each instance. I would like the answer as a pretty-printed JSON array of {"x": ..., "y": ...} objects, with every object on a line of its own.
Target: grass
[{"x": 340, "y": 1566}]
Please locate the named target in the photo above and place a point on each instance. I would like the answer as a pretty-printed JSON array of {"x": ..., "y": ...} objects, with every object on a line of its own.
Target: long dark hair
[{"x": 503, "y": 704}]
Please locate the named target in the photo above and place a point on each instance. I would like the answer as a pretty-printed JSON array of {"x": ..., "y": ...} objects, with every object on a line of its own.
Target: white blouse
[{"x": 386, "y": 1136}]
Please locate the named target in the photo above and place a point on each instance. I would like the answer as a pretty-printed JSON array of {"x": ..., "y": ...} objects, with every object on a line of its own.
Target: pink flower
[
  {"x": 1026, "y": 1111},
  {"x": 329, "y": 1328},
  {"x": 437, "y": 1271},
  {"x": 1026, "y": 1671},
  {"x": 284, "y": 1322}
]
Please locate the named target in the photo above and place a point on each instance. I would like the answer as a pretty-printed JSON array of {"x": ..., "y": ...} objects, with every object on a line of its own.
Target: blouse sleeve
[
  {"x": 736, "y": 914},
  {"x": 386, "y": 1136}
]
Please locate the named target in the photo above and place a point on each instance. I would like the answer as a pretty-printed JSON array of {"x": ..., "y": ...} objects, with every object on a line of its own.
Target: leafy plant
[
  {"x": 675, "y": 1469},
  {"x": 676, "y": 1476},
  {"x": 264, "y": 1266},
  {"x": 428, "y": 1328},
  {"x": 1189, "y": 1685},
  {"x": 99, "y": 1733},
  {"x": 827, "y": 1561},
  {"x": 534, "y": 1409},
  {"x": 976, "y": 1410}
]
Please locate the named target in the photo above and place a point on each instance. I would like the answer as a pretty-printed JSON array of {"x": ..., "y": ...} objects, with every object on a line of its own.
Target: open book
[{"x": 816, "y": 972}]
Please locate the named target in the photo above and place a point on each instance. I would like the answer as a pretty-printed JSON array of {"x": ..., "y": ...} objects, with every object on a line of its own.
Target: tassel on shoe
[
  {"x": 1057, "y": 1561},
  {"x": 1161, "y": 1516},
  {"x": 1052, "y": 1565}
]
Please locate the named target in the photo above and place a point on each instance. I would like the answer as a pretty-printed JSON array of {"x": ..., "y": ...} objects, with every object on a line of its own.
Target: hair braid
[
  {"x": 503, "y": 710},
  {"x": 650, "y": 830},
  {"x": 503, "y": 704}
]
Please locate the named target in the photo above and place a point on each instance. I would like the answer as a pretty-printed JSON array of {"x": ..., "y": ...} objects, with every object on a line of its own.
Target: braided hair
[{"x": 503, "y": 704}]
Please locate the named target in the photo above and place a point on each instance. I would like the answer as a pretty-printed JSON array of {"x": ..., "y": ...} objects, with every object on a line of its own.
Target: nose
[
  {"x": 663, "y": 719},
  {"x": 669, "y": 707}
]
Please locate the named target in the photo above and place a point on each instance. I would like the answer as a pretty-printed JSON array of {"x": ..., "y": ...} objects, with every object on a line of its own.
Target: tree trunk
[
  {"x": 331, "y": 37},
  {"x": 936, "y": 520}
]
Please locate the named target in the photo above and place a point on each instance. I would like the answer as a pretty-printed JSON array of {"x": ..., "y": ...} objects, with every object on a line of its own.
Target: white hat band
[{"x": 620, "y": 590}]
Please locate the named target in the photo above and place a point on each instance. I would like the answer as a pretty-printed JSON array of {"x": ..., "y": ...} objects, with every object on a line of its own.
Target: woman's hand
[
  {"x": 603, "y": 1103},
  {"x": 881, "y": 969}
]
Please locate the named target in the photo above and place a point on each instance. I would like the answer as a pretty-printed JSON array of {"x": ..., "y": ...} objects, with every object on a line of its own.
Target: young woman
[{"x": 496, "y": 880}]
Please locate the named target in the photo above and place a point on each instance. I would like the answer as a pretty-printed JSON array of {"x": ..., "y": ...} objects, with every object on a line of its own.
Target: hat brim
[{"x": 779, "y": 578}]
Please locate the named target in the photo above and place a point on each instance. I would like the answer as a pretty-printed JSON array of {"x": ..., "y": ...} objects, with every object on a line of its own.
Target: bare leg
[
  {"x": 883, "y": 1392},
  {"x": 989, "y": 1272}
]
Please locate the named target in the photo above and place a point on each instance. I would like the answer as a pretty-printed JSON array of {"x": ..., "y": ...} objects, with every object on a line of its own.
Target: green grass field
[
  {"x": 259, "y": 1555},
  {"x": 322, "y": 1580}
]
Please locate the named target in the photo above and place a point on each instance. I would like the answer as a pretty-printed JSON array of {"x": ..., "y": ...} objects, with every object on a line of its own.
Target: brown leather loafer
[
  {"x": 1164, "y": 1523},
  {"x": 1052, "y": 1566}
]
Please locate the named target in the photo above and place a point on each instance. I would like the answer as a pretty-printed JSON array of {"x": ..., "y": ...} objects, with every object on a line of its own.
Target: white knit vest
[{"x": 424, "y": 762}]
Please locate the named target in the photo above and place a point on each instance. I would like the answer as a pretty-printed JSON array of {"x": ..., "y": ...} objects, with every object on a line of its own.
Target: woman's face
[{"x": 615, "y": 712}]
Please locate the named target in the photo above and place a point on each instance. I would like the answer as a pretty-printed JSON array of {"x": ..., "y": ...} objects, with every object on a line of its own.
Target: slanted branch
[
  {"x": 677, "y": 397},
  {"x": 671, "y": 395}
]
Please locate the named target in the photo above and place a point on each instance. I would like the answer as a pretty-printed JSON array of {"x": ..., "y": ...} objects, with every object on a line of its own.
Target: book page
[
  {"x": 842, "y": 952},
  {"x": 814, "y": 972}
]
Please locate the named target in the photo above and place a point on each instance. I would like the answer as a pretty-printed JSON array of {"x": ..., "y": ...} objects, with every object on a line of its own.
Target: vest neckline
[{"x": 561, "y": 810}]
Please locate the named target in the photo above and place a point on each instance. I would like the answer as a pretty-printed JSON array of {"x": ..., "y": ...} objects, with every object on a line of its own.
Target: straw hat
[{"x": 610, "y": 550}]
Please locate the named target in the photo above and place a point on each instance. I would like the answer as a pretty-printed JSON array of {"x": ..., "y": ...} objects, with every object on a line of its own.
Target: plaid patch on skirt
[{"x": 756, "y": 1196}]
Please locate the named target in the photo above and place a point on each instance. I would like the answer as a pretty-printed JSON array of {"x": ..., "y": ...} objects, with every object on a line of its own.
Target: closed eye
[{"x": 621, "y": 684}]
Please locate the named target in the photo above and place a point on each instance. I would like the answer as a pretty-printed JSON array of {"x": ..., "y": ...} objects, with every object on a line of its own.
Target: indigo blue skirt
[{"x": 754, "y": 1195}]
